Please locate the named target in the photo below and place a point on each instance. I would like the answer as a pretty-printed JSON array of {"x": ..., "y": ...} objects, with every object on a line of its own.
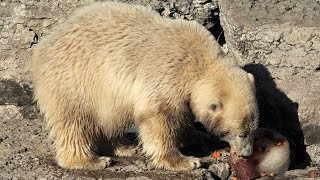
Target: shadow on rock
[
  {"x": 12, "y": 93},
  {"x": 21, "y": 95},
  {"x": 199, "y": 143},
  {"x": 196, "y": 142},
  {"x": 280, "y": 113},
  {"x": 216, "y": 30}
]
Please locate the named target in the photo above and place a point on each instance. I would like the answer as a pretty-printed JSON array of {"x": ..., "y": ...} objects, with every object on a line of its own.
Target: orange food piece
[
  {"x": 234, "y": 178},
  {"x": 216, "y": 154}
]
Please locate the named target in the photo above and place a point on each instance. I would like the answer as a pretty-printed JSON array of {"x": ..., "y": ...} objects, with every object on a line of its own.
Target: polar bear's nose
[
  {"x": 246, "y": 151},
  {"x": 245, "y": 157}
]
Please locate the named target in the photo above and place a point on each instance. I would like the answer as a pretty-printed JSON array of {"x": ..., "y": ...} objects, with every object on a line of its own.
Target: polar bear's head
[{"x": 225, "y": 103}]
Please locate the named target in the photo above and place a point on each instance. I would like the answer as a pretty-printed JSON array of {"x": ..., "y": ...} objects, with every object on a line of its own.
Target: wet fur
[{"x": 112, "y": 65}]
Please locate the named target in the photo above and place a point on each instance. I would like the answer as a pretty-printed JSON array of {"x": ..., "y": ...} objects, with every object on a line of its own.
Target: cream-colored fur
[{"x": 112, "y": 65}]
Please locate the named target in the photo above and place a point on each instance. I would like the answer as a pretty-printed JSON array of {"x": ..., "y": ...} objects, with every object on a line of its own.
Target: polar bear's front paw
[
  {"x": 181, "y": 163},
  {"x": 194, "y": 163},
  {"x": 98, "y": 163}
]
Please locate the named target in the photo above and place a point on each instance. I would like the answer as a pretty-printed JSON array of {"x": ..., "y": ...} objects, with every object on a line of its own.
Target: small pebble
[{"x": 263, "y": 174}]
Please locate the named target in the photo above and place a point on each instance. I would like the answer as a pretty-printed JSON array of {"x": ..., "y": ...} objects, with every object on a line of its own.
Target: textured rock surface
[
  {"x": 25, "y": 151},
  {"x": 278, "y": 41},
  {"x": 278, "y": 33}
]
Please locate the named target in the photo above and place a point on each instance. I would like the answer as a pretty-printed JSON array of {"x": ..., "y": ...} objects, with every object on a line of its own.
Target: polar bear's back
[
  {"x": 93, "y": 38},
  {"x": 118, "y": 52}
]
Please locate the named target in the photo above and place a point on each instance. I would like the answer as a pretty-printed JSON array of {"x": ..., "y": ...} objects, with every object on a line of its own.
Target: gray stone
[
  {"x": 302, "y": 173},
  {"x": 138, "y": 178},
  {"x": 12, "y": 93},
  {"x": 221, "y": 169},
  {"x": 273, "y": 32},
  {"x": 314, "y": 152}
]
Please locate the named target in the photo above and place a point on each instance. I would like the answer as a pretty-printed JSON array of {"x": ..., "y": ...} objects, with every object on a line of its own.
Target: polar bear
[{"x": 113, "y": 65}]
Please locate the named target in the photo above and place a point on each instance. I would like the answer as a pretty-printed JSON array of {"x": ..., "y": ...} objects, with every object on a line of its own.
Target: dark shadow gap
[
  {"x": 216, "y": 30},
  {"x": 279, "y": 112}
]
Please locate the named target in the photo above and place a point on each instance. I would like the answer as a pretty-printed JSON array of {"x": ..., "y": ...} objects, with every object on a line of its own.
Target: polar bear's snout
[
  {"x": 242, "y": 145},
  {"x": 246, "y": 151}
]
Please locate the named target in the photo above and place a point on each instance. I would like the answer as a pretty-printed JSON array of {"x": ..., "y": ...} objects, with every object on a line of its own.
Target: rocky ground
[
  {"x": 277, "y": 41},
  {"x": 25, "y": 153}
]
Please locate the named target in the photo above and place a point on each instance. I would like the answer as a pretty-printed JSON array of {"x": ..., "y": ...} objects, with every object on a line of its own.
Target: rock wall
[{"x": 279, "y": 42}]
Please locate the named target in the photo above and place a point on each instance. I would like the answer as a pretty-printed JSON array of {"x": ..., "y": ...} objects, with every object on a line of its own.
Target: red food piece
[
  {"x": 266, "y": 143},
  {"x": 313, "y": 174},
  {"x": 245, "y": 170}
]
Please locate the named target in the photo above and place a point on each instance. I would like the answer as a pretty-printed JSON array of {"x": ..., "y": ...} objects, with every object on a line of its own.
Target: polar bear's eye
[
  {"x": 223, "y": 134},
  {"x": 215, "y": 106}
]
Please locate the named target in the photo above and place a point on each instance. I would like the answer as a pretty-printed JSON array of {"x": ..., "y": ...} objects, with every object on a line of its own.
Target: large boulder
[{"x": 279, "y": 42}]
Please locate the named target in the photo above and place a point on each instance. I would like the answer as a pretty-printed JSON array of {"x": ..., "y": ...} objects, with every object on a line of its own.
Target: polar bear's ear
[{"x": 251, "y": 78}]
